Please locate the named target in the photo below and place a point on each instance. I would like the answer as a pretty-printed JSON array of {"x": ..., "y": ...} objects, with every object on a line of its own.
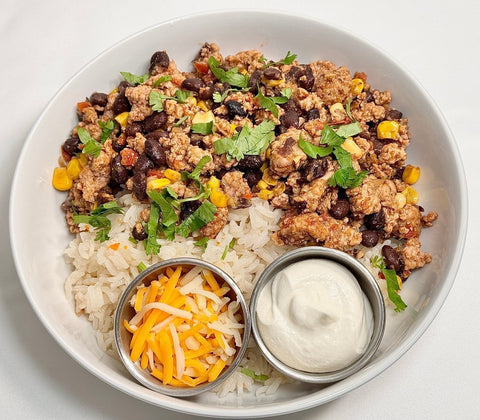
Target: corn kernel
[
  {"x": 213, "y": 182},
  {"x": 114, "y": 91},
  {"x": 232, "y": 129},
  {"x": 202, "y": 117},
  {"x": 273, "y": 82},
  {"x": 157, "y": 183},
  {"x": 218, "y": 198},
  {"x": 83, "y": 160},
  {"x": 264, "y": 166},
  {"x": 202, "y": 105},
  {"x": 400, "y": 201},
  {"x": 172, "y": 175},
  {"x": 265, "y": 194},
  {"x": 74, "y": 168},
  {"x": 357, "y": 86},
  {"x": 411, "y": 195},
  {"x": 269, "y": 178},
  {"x": 336, "y": 107},
  {"x": 61, "y": 181},
  {"x": 387, "y": 130},
  {"x": 351, "y": 147},
  {"x": 268, "y": 153},
  {"x": 262, "y": 184},
  {"x": 411, "y": 174},
  {"x": 122, "y": 118},
  {"x": 279, "y": 188},
  {"x": 192, "y": 100}
]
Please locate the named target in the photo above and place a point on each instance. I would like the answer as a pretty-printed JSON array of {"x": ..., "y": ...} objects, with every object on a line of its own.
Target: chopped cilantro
[
  {"x": 91, "y": 146},
  {"x": 181, "y": 95},
  {"x": 98, "y": 219},
  {"x": 313, "y": 151},
  {"x": 227, "y": 247},
  {"x": 392, "y": 283},
  {"x": 155, "y": 100},
  {"x": 220, "y": 97},
  {"x": 161, "y": 80},
  {"x": 203, "y": 128},
  {"x": 232, "y": 76},
  {"x": 253, "y": 375},
  {"x": 141, "y": 267},
  {"x": 107, "y": 129},
  {"x": 180, "y": 121},
  {"x": 202, "y": 243},
  {"x": 133, "y": 78},
  {"x": 250, "y": 141},
  {"x": 349, "y": 130},
  {"x": 152, "y": 247},
  {"x": 199, "y": 218},
  {"x": 288, "y": 59}
]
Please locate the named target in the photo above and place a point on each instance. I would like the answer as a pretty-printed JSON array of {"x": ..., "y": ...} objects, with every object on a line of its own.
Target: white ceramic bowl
[{"x": 38, "y": 242}]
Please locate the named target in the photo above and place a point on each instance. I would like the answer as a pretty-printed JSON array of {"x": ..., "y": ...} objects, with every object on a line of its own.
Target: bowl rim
[
  {"x": 300, "y": 403},
  {"x": 123, "y": 302},
  {"x": 353, "y": 266}
]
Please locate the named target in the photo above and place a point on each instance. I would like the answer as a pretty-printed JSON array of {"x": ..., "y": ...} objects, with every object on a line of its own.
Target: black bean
[
  {"x": 375, "y": 221},
  {"x": 99, "y": 99},
  {"x": 120, "y": 104},
  {"x": 138, "y": 232},
  {"x": 307, "y": 80},
  {"x": 340, "y": 209},
  {"x": 369, "y": 97},
  {"x": 122, "y": 86},
  {"x": 156, "y": 135},
  {"x": 394, "y": 114},
  {"x": 155, "y": 121},
  {"x": 254, "y": 81},
  {"x": 250, "y": 162},
  {"x": 119, "y": 143},
  {"x": 272, "y": 73},
  {"x": 140, "y": 185},
  {"x": 392, "y": 258},
  {"x": 252, "y": 177},
  {"x": 188, "y": 207},
  {"x": 370, "y": 238},
  {"x": 315, "y": 168},
  {"x": 159, "y": 59},
  {"x": 294, "y": 73},
  {"x": 143, "y": 164},
  {"x": 132, "y": 129},
  {"x": 300, "y": 205},
  {"x": 291, "y": 118},
  {"x": 155, "y": 152},
  {"x": 313, "y": 114},
  {"x": 205, "y": 92},
  {"x": 193, "y": 84},
  {"x": 71, "y": 145},
  {"x": 235, "y": 108},
  {"x": 119, "y": 173}
]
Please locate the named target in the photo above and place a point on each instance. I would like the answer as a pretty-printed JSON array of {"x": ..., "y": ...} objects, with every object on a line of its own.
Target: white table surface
[{"x": 43, "y": 43}]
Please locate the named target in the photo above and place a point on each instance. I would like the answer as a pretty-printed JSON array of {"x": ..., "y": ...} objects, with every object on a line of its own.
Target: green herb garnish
[
  {"x": 346, "y": 176},
  {"x": 133, "y": 78},
  {"x": 270, "y": 102},
  {"x": 313, "y": 151},
  {"x": 230, "y": 245},
  {"x": 155, "y": 99},
  {"x": 98, "y": 219},
  {"x": 152, "y": 247},
  {"x": 180, "y": 121},
  {"x": 202, "y": 128},
  {"x": 202, "y": 243},
  {"x": 232, "y": 76},
  {"x": 220, "y": 97},
  {"x": 161, "y": 80},
  {"x": 199, "y": 218},
  {"x": 349, "y": 130},
  {"x": 91, "y": 146},
  {"x": 253, "y": 375},
  {"x": 250, "y": 141},
  {"x": 141, "y": 267},
  {"x": 107, "y": 129},
  {"x": 289, "y": 59},
  {"x": 392, "y": 283}
]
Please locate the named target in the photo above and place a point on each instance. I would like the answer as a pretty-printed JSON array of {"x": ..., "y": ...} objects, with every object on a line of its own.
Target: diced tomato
[
  {"x": 201, "y": 67},
  {"x": 82, "y": 105},
  {"x": 65, "y": 156},
  {"x": 157, "y": 173},
  {"x": 129, "y": 157},
  {"x": 381, "y": 275}
]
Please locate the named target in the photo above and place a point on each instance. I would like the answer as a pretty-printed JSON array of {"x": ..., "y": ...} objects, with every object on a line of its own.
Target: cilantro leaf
[
  {"x": 91, "y": 146},
  {"x": 250, "y": 141},
  {"x": 289, "y": 59},
  {"x": 199, "y": 218},
  {"x": 347, "y": 178},
  {"x": 313, "y": 151},
  {"x": 392, "y": 283},
  {"x": 330, "y": 137},
  {"x": 230, "y": 245},
  {"x": 349, "y": 130},
  {"x": 141, "y": 266},
  {"x": 267, "y": 103},
  {"x": 181, "y": 95},
  {"x": 132, "y": 78},
  {"x": 152, "y": 247},
  {"x": 180, "y": 121},
  {"x": 202, "y": 243},
  {"x": 202, "y": 128},
  {"x": 232, "y": 76},
  {"x": 107, "y": 129},
  {"x": 347, "y": 109},
  {"x": 155, "y": 100},
  {"x": 253, "y": 375},
  {"x": 169, "y": 216},
  {"x": 161, "y": 80},
  {"x": 220, "y": 97},
  {"x": 195, "y": 174}
]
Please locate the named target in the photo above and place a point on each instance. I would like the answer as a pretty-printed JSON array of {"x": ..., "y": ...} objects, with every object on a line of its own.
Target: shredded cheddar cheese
[{"x": 186, "y": 329}]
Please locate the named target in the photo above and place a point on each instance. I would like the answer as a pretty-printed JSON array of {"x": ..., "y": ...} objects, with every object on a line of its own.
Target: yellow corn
[
  {"x": 157, "y": 183},
  {"x": 122, "y": 118},
  {"x": 114, "y": 91},
  {"x": 411, "y": 195},
  {"x": 268, "y": 153},
  {"x": 244, "y": 71},
  {"x": 262, "y": 184},
  {"x": 83, "y": 160},
  {"x": 279, "y": 188},
  {"x": 357, "y": 86},
  {"x": 213, "y": 182},
  {"x": 218, "y": 198},
  {"x": 61, "y": 181},
  {"x": 265, "y": 165},
  {"x": 202, "y": 117},
  {"x": 411, "y": 174},
  {"x": 172, "y": 175},
  {"x": 192, "y": 100},
  {"x": 202, "y": 105},
  {"x": 336, "y": 107},
  {"x": 351, "y": 147},
  {"x": 74, "y": 168},
  {"x": 400, "y": 201},
  {"x": 232, "y": 129},
  {"x": 269, "y": 178},
  {"x": 265, "y": 194},
  {"x": 400, "y": 283},
  {"x": 387, "y": 130},
  {"x": 272, "y": 83}
]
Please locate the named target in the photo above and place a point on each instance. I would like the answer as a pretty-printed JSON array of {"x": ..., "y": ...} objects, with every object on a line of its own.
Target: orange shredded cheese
[{"x": 172, "y": 334}]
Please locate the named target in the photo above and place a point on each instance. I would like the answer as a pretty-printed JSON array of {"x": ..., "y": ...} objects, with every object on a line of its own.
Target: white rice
[{"x": 100, "y": 273}]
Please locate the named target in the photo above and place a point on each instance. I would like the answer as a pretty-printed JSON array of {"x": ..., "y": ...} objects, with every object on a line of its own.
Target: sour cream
[{"x": 313, "y": 316}]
